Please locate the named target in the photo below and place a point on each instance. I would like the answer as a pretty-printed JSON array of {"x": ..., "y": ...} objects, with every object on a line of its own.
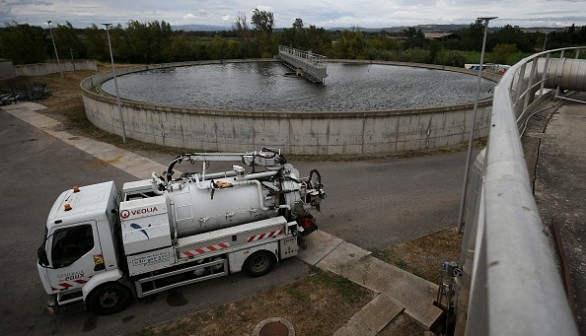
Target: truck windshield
[{"x": 70, "y": 244}]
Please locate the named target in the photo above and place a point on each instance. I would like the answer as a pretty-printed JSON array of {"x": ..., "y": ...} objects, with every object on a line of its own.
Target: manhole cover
[
  {"x": 275, "y": 326},
  {"x": 274, "y": 329}
]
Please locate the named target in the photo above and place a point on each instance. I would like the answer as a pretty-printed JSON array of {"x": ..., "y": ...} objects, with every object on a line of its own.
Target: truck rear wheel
[
  {"x": 259, "y": 263},
  {"x": 109, "y": 299}
]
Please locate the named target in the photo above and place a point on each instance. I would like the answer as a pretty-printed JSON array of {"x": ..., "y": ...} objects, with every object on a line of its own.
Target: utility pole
[
  {"x": 485, "y": 21},
  {"x": 72, "y": 61},
  {"x": 55, "y": 48},
  {"x": 115, "y": 82}
]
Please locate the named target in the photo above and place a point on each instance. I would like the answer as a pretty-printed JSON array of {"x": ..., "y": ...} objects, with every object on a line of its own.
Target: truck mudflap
[{"x": 307, "y": 224}]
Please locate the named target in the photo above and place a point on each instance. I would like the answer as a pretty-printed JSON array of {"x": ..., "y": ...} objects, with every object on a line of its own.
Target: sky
[{"x": 321, "y": 13}]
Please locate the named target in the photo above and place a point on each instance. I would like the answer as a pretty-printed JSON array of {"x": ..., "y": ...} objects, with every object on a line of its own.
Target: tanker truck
[{"x": 103, "y": 248}]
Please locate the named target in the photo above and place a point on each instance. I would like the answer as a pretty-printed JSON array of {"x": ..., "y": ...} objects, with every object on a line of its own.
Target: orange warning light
[
  {"x": 67, "y": 207},
  {"x": 75, "y": 189}
]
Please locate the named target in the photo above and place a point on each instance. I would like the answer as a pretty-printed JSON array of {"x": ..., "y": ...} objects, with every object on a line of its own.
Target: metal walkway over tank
[{"x": 305, "y": 63}]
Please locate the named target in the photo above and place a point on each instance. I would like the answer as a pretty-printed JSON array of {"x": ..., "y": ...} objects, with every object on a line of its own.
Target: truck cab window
[{"x": 69, "y": 244}]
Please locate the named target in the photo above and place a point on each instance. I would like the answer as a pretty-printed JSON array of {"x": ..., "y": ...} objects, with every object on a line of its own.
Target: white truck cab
[{"x": 80, "y": 242}]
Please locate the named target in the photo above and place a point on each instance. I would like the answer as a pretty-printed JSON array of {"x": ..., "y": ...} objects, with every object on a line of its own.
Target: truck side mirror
[{"x": 42, "y": 255}]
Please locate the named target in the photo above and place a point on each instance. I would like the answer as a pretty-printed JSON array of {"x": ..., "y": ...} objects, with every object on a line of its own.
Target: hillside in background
[{"x": 436, "y": 28}]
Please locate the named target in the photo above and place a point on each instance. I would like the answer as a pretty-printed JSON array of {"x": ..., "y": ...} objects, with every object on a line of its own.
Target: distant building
[{"x": 441, "y": 36}]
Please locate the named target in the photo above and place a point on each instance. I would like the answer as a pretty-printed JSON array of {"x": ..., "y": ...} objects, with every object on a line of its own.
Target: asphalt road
[{"x": 373, "y": 204}]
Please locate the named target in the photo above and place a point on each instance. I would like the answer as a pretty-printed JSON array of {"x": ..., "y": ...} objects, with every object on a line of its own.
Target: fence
[{"x": 511, "y": 284}]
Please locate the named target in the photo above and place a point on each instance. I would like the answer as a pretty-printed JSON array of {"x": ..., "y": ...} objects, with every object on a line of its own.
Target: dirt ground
[{"x": 316, "y": 305}]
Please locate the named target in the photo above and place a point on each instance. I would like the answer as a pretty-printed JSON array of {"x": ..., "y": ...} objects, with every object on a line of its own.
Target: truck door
[{"x": 75, "y": 255}]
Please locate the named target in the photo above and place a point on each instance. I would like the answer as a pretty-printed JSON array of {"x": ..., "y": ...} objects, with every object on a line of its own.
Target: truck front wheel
[
  {"x": 259, "y": 263},
  {"x": 109, "y": 299}
]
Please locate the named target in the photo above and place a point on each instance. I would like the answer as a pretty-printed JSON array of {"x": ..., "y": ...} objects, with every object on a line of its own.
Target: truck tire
[
  {"x": 259, "y": 263},
  {"x": 108, "y": 299}
]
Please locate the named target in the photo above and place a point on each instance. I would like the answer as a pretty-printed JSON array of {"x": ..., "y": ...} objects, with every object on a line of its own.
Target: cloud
[
  {"x": 551, "y": 12},
  {"x": 323, "y": 13}
]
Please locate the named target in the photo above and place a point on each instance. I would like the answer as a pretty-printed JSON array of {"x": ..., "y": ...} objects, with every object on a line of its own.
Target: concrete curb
[
  {"x": 131, "y": 163},
  {"x": 371, "y": 319},
  {"x": 413, "y": 293}
]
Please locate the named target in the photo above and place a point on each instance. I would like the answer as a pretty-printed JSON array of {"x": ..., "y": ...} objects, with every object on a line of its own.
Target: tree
[
  {"x": 147, "y": 40},
  {"x": 470, "y": 38},
  {"x": 263, "y": 21},
  {"x": 181, "y": 49},
  {"x": 96, "y": 44},
  {"x": 352, "y": 45},
  {"x": 241, "y": 25},
  {"x": 298, "y": 24},
  {"x": 217, "y": 48},
  {"x": 502, "y": 53},
  {"x": 415, "y": 38},
  {"x": 24, "y": 44},
  {"x": 511, "y": 35},
  {"x": 296, "y": 36},
  {"x": 68, "y": 42}
]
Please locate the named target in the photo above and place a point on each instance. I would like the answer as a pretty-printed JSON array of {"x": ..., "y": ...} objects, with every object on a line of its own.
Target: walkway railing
[
  {"x": 302, "y": 54},
  {"x": 511, "y": 284},
  {"x": 305, "y": 63}
]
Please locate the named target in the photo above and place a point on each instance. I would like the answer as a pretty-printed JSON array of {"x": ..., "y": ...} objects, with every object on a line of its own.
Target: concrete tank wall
[
  {"x": 306, "y": 133},
  {"x": 42, "y": 69},
  {"x": 6, "y": 69}
]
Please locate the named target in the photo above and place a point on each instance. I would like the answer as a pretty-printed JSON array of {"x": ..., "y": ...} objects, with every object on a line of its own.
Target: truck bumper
[
  {"x": 55, "y": 308},
  {"x": 52, "y": 307}
]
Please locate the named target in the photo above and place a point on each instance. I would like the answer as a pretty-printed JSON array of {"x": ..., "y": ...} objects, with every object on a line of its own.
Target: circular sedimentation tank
[
  {"x": 364, "y": 108},
  {"x": 267, "y": 86}
]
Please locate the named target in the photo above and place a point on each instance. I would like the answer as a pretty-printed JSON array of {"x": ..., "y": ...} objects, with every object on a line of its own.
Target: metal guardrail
[
  {"x": 511, "y": 284},
  {"x": 302, "y": 54},
  {"x": 308, "y": 64}
]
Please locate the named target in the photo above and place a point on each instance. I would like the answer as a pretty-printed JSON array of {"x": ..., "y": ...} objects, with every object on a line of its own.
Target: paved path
[{"x": 397, "y": 291}]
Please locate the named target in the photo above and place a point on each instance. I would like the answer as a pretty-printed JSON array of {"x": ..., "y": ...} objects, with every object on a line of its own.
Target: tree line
[{"x": 156, "y": 42}]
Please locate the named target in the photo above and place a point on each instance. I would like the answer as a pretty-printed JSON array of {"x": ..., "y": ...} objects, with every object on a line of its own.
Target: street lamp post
[
  {"x": 485, "y": 21},
  {"x": 115, "y": 82},
  {"x": 55, "y": 48},
  {"x": 72, "y": 61}
]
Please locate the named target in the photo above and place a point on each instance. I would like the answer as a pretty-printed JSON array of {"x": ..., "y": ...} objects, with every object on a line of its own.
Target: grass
[
  {"x": 306, "y": 303},
  {"x": 425, "y": 256}
]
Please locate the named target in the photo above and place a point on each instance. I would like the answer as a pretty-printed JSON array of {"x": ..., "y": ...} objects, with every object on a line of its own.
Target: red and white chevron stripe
[
  {"x": 266, "y": 235},
  {"x": 70, "y": 284},
  {"x": 202, "y": 250}
]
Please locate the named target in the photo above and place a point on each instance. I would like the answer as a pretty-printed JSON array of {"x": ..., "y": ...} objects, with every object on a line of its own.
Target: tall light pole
[
  {"x": 115, "y": 82},
  {"x": 72, "y": 61},
  {"x": 55, "y": 48},
  {"x": 485, "y": 21}
]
